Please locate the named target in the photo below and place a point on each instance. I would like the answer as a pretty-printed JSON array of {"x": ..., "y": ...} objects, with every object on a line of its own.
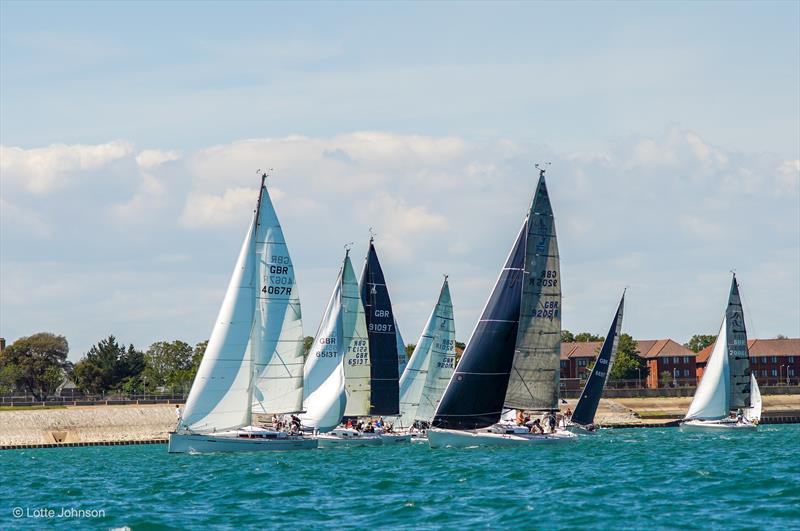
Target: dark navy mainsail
[
  {"x": 476, "y": 392},
  {"x": 593, "y": 390},
  {"x": 738, "y": 357},
  {"x": 382, "y": 333}
]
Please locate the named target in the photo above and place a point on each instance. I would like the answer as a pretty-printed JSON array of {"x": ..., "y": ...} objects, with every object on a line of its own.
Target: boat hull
[
  {"x": 440, "y": 438},
  {"x": 577, "y": 429},
  {"x": 180, "y": 443},
  {"x": 395, "y": 438},
  {"x": 705, "y": 426},
  {"x": 332, "y": 441}
]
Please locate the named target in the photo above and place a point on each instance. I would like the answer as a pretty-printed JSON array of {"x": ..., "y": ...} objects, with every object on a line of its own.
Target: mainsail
[
  {"x": 357, "y": 366},
  {"x": 712, "y": 398},
  {"x": 431, "y": 366},
  {"x": 277, "y": 338},
  {"x": 593, "y": 390},
  {"x": 383, "y": 348},
  {"x": 737, "y": 349},
  {"x": 324, "y": 380},
  {"x": 476, "y": 392},
  {"x": 535, "y": 374}
]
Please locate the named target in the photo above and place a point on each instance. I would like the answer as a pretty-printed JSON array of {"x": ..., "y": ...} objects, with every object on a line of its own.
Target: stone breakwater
[{"x": 90, "y": 424}]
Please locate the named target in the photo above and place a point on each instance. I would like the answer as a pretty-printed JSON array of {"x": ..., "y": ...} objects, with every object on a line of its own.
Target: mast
[{"x": 593, "y": 390}]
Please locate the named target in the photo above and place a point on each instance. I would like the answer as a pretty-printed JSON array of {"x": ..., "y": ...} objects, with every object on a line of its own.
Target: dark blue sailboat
[
  {"x": 593, "y": 390},
  {"x": 382, "y": 333}
]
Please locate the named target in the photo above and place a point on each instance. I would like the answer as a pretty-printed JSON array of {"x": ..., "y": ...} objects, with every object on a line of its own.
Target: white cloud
[
  {"x": 209, "y": 210},
  {"x": 22, "y": 221},
  {"x": 151, "y": 158},
  {"x": 789, "y": 177},
  {"x": 41, "y": 170}
]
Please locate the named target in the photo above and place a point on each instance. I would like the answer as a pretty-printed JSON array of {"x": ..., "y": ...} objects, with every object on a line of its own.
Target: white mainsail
[
  {"x": 431, "y": 366},
  {"x": 712, "y": 398},
  {"x": 753, "y": 413},
  {"x": 277, "y": 339},
  {"x": 323, "y": 374},
  {"x": 356, "y": 344},
  {"x": 442, "y": 357}
]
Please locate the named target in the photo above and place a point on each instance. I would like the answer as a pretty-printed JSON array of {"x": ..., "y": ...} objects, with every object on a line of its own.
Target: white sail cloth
[
  {"x": 712, "y": 398},
  {"x": 428, "y": 372},
  {"x": 357, "y": 369},
  {"x": 753, "y": 413}
]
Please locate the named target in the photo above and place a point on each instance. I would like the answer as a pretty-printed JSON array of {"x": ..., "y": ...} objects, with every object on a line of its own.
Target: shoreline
[{"x": 114, "y": 425}]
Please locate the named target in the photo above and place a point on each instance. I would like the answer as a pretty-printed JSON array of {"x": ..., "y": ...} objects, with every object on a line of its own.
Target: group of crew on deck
[
  {"x": 549, "y": 421},
  {"x": 290, "y": 423}
]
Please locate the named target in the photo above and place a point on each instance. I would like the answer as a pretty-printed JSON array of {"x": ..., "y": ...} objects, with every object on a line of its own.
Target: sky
[{"x": 131, "y": 134}]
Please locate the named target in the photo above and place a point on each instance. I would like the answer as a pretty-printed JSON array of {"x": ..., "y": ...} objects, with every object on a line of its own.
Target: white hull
[
  {"x": 715, "y": 425},
  {"x": 333, "y": 441},
  {"x": 181, "y": 443},
  {"x": 440, "y": 438},
  {"x": 420, "y": 438},
  {"x": 392, "y": 438}
]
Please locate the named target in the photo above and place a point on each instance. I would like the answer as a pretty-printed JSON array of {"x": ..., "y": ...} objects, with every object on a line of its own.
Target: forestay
[
  {"x": 712, "y": 398},
  {"x": 593, "y": 390},
  {"x": 535, "y": 374}
]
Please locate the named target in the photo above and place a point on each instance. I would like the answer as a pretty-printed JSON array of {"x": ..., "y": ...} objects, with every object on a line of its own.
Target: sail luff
[
  {"x": 382, "y": 335},
  {"x": 535, "y": 375},
  {"x": 737, "y": 349},
  {"x": 593, "y": 390},
  {"x": 219, "y": 396}
]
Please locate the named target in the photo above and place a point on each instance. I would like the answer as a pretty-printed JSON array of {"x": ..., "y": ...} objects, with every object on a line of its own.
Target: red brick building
[
  {"x": 668, "y": 361},
  {"x": 773, "y": 361}
]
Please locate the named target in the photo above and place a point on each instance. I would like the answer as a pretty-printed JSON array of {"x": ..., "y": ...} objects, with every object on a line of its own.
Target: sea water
[{"x": 632, "y": 478}]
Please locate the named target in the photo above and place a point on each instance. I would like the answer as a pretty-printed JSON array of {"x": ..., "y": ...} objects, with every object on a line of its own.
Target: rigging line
[{"x": 523, "y": 383}]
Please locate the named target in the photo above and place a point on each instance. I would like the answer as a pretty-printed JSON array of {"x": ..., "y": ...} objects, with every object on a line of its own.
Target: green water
[{"x": 635, "y": 479}]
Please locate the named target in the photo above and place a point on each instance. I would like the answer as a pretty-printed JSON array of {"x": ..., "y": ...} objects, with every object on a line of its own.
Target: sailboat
[
  {"x": 254, "y": 359},
  {"x": 382, "y": 335},
  {"x": 727, "y": 397},
  {"x": 582, "y": 420},
  {"x": 432, "y": 363},
  {"x": 512, "y": 357},
  {"x": 337, "y": 370}
]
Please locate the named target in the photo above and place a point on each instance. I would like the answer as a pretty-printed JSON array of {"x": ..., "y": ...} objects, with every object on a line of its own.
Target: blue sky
[{"x": 131, "y": 133}]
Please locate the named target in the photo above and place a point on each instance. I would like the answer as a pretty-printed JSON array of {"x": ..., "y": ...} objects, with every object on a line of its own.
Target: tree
[
  {"x": 36, "y": 364},
  {"x": 461, "y": 345},
  {"x": 567, "y": 336},
  {"x": 587, "y": 337},
  {"x": 109, "y": 366},
  {"x": 307, "y": 342},
  {"x": 628, "y": 365},
  {"x": 410, "y": 350},
  {"x": 700, "y": 341},
  {"x": 169, "y": 364},
  {"x": 781, "y": 336}
]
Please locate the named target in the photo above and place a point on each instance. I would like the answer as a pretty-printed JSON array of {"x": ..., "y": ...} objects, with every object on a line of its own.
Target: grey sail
[
  {"x": 738, "y": 358},
  {"x": 534, "y": 379}
]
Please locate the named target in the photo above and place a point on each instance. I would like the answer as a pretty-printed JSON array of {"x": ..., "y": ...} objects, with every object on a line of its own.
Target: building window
[
  {"x": 763, "y": 359},
  {"x": 763, "y": 372},
  {"x": 686, "y": 359},
  {"x": 685, "y": 373},
  {"x": 676, "y": 360},
  {"x": 582, "y": 362},
  {"x": 774, "y": 359},
  {"x": 791, "y": 359},
  {"x": 791, "y": 372},
  {"x": 774, "y": 372},
  {"x": 755, "y": 360},
  {"x": 563, "y": 364}
]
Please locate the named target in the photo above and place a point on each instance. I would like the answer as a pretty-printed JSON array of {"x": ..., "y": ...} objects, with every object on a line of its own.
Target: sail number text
[
  {"x": 359, "y": 354},
  {"x": 548, "y": 278}
]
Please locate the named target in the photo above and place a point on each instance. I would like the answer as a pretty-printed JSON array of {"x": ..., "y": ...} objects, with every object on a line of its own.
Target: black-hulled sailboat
[
  {"x": 383, "y": 342},
  {"x": 582, "y": 420},
  {"x": 512, "y": 358},
  {"x": 727, "y": 396}
]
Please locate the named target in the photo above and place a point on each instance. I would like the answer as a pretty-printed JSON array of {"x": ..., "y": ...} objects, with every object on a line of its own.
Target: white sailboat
[
  {"x": 427, "y": 374},
  {"x": 254, "y": 358},
  {"x": 727, "y": 397},
  {"x": 512, "y": 358},
  {"x": 337, "y": 370}
]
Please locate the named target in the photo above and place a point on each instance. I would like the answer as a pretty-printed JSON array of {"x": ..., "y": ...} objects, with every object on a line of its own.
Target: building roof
[
  {"x": 761, "y": 347},
  {"x": 648, "y": 348}
]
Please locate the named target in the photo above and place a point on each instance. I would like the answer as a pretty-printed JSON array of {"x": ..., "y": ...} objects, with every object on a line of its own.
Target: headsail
[
  {"x": 431, "y": 366},
  {"x": 356, "y": 345},
  {"x": 593, "y": 390},
  {"x": 277, "y": 337},
  {"x": 753, "y": 413},
  {"x": 382, "y": 332},
  {"x": 402, "y": 355},
  {"x": 737, "y": 350},
  {"x": 220, "y": 395},
  {"x": 324, "y": 380},
  {"x": 535, "y": 374},
  {"x": 475, "y": 394},
  {"x": 712, "y": 398}
]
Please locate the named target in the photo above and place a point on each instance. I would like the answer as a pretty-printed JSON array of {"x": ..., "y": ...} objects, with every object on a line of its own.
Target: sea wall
[{"x": 86, "y": 424}]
